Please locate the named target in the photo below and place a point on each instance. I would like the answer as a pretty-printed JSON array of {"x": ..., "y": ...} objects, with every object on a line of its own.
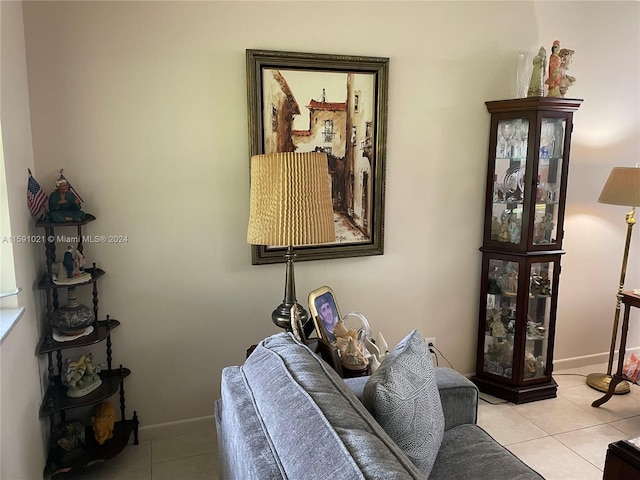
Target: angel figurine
[{"x": 566, "y": 80}]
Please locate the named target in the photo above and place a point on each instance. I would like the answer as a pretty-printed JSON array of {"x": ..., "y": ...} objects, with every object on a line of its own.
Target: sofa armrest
[
  {"x": 459, "y": 397},
  {"x": 356, "y": 384}
]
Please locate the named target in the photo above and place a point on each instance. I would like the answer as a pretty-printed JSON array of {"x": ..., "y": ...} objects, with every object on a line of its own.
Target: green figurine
[{"x": 64, "y": 205}]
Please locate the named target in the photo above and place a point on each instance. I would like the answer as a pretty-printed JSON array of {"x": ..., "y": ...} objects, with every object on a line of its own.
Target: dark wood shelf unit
[
  {"x": 55, "y": 403},
  {"x": 61, "y": 464}
]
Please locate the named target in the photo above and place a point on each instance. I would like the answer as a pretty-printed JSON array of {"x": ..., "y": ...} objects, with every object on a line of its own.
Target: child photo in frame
[{"x": 323, "y": 306}]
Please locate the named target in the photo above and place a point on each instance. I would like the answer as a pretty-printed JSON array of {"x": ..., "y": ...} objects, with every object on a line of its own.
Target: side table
[
  {"x": 623, "y": 460},
  {"x": 629, "y": 299}
]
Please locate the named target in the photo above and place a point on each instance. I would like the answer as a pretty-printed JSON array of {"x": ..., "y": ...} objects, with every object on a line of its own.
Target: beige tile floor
[
  {"x": 562, "y": 438},
  {"x": 565, "y": 438},
  {"x": 190, "y": 456}
]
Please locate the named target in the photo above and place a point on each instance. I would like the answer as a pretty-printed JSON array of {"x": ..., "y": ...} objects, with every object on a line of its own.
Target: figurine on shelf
[
  {"x": 545, "y": 283},
  {"x": 497, "y": 328},
  {"x": 71, "y": 270},
  {"x": 540, "y": 284},
  {"x": 493, "y": 316},
  {"x": 536, "y": 85},
  {"x": 504, "y": 227},
  {"x": 505, "y": 313},
  {"x": 352, "y": 351},
  {"x": 352, "y": 357},
  {"x": 81, "y": 376},
  {"x": 566, "y": 56},
  {"x": 500, "y": 351},
  {"x": 549, "y": 225},
  {"x": 73, "y": 262},
  {"x": 514, "y": 229},
  {"x": 495, "y": 228},
  {"x": 535, "y": 331},
  {"x": 80, "y": 261},
  {"x": 64, "y": 205},
  {"x": 555, "y": 73},
  {"x": 538, "y": 231},
  {"x": 69, "y": 435},
  {"x": 512, "y": 283},
  {"x": 102, "y": 421},
  {"x": 530, "y": 365},
  {"x": 68, "y": 262},
  {"x": 494, "y": 286}
]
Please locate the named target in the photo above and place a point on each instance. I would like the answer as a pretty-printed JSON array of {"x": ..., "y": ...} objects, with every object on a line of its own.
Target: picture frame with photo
[{"x": 323, "y": 308}]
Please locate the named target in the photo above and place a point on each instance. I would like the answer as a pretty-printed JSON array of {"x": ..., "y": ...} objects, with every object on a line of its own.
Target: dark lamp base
[{"x": 281, "y": 316}]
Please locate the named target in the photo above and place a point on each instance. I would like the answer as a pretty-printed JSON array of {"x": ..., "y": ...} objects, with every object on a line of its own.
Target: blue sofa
[{"x": 286, "y": 414}]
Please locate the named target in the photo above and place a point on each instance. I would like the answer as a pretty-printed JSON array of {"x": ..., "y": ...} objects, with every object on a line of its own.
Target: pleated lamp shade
[
  {"x": 622, "y": 187},
  {"x": 290, "y": 200}
]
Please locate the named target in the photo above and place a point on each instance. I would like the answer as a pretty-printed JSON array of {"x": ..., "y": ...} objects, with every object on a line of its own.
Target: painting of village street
[
  {"x": 334, "y": 113},
  {"x": 335, "y": 104}
]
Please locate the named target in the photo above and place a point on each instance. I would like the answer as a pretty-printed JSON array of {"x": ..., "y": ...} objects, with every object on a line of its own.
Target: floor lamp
[
  {"x": 290, "y": 206},
  {"x": 622, "y": 188}
]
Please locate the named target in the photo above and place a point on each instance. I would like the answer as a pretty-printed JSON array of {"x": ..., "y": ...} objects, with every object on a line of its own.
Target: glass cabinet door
[
  {"x": 538, "y": 320},
  {"x": 550, "y": 166},
  {"x": 508, "y": 180},
  {"x": 501, "y": 314}
]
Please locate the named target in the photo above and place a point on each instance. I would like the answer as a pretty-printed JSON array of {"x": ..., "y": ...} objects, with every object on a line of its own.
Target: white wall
[
  {"x": 144, "y": 105},
  {"x": 22, "y": 454},
  {"x": 605, "y": 135}
]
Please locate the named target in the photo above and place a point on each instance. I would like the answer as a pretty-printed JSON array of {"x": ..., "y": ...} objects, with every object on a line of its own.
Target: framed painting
[{"x": 337, "y": 104}]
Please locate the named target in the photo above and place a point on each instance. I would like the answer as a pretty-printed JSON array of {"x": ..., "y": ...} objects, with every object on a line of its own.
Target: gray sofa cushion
[
  {"x": 318, "y": 428},
  {"x": 403, "y": 396},
  {"x": 468, "y": 452}
]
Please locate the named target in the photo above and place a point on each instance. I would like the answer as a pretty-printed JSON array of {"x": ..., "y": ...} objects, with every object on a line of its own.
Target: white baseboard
[
  {"x": 585, "y": 360},
  {"x": 594, "y": 359},
  {"x": 191, "y": 425}
]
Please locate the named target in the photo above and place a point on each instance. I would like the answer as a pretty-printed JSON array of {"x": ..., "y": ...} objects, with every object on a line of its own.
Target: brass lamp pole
[{"x": 622, "y": 188}]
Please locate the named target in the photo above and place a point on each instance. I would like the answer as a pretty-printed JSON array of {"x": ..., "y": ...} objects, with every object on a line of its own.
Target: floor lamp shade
[
  {"x": 290, "y": 206},
  {"x": 290, "y": 200},
  {"x": 622, "y": 187}
]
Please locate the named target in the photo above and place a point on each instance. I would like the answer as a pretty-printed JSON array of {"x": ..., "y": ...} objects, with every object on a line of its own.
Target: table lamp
[
  {"x": 622, "y": 188},
  {"x": 290, "y": 206}
]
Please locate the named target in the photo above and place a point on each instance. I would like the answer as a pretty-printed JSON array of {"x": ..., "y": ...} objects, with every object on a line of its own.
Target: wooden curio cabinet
[{"x": 529, "y": 145}]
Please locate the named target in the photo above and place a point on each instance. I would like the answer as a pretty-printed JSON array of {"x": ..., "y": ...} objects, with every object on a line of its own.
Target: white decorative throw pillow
[{"x": 403, "y": 397}]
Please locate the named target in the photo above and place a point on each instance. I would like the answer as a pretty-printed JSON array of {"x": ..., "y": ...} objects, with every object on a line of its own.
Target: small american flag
[
  {"x": 71, "y": 189},
  {"x": 36, "y": 198}
]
